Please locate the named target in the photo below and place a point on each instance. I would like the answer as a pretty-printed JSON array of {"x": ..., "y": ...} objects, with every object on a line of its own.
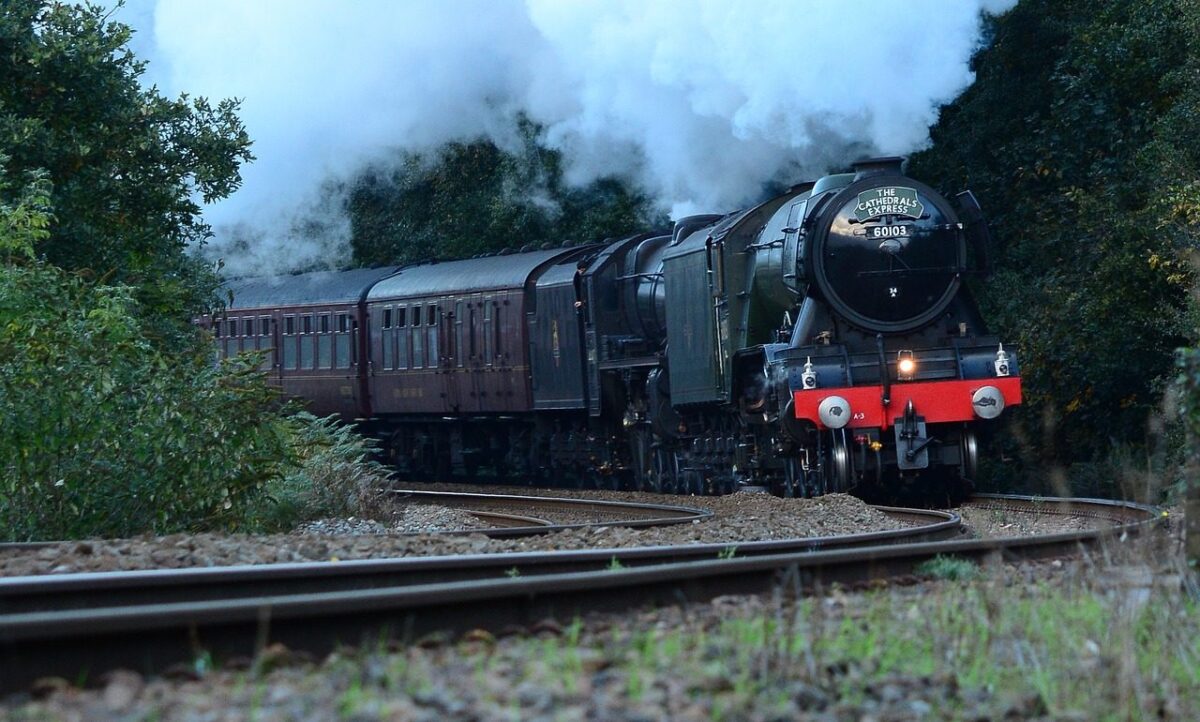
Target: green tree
[
  {"x": 471, "y": 198},
  {"x": 107, "y": 434},
  {"x": 1078, "y": 137},
  {"x": 127, "y": 166}
]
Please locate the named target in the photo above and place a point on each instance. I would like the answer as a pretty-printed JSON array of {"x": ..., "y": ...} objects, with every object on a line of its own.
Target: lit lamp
[{"x": 906, "y": 366}]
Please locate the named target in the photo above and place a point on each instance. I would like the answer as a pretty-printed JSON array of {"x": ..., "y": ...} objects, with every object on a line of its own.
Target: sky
[{"x": 699, "y": 102}]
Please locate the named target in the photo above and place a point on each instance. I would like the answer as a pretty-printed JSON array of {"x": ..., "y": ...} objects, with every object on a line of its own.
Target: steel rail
[
  {"x": 488, "y": 508},
  {"x": 90, "y": 590},
  {"x": 600, "y": 513},
  {"x": 151, "y": 636},
  {"x": 500, "y": 520}
]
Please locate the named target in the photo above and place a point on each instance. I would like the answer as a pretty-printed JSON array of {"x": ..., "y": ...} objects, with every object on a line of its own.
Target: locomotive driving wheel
[
  {"x": 665, "y": 471},
  {"x": 970, "y": 454},
  {"x": 840, "y": 470},
  {"x": 794, "y": 482}
]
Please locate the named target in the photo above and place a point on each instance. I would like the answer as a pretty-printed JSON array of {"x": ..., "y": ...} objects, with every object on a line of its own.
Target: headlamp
[{"x": 906, "y": 366}]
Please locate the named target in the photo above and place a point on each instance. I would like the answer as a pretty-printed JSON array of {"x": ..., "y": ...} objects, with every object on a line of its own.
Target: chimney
[{"x": 877, "y": 166}]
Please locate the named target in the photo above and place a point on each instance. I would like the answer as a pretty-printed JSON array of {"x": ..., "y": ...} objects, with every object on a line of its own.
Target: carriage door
[{"x": 451, "y": 365}]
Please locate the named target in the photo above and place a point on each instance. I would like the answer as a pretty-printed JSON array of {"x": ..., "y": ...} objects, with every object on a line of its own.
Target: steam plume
[{"x": 700, "y": 102}]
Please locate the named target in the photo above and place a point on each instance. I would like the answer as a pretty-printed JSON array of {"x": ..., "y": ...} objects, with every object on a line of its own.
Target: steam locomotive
[{"x": 821, "y": 341}]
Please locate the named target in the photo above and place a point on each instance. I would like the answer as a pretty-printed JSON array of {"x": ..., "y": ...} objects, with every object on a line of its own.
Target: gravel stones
[
  {"x": 429, "y": 518},
  {"x": 396, "y": 531},
  {"x": 989, "y": 522},
  {"x": 737, "y": 518}
]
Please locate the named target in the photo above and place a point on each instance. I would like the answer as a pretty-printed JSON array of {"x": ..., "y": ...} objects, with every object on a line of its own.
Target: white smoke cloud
[{"x": 699, "y": 101}]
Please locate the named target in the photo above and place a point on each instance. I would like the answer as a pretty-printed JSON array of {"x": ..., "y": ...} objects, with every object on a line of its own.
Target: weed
[
  {"x": 352, "y": 699},
  {"x": 615, "y": 565},
  {"x": 727, "y": 552},
  {"x": 949, "y": 568},
  {"x": 203, "y": 663},
  {"x": 512, "y": 573}
]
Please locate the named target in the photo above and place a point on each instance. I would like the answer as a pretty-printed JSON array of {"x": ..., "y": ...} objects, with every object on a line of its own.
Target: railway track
[
  {"x": 516, "y": 515},
  {"x": 83, "y": 624}
]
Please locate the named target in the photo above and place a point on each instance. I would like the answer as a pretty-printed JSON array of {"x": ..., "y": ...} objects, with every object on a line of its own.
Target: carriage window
[
  {"x": 401, "y": 316},
  {"x": 216, "y": 329},
  {"x": 289, "y": 342},
  {"x": 306, "y": 322},
  {"x": 433, "y": 336},
  {"x": 402, "y": 345},
  {"x": 306, "y": 348},
  {"x": 324, "y": 344},
  {"x": 387, "y": 318},
  {"x": 386, "y": 342},
  {"x": 264, "y": 342},
  {"x": 251, "y": 342},
  {"x": 418, "y": 346},
  {"x": 341, "y": 348}
]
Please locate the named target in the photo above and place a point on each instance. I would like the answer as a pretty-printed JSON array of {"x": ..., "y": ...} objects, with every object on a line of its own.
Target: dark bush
[{"x": 106, "y": 435}]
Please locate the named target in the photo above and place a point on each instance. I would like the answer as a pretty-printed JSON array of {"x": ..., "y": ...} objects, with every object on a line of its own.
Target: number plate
[{"x": 896, "y": 230}]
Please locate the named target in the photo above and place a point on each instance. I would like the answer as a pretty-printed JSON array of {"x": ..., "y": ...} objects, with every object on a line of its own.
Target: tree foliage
[
  {"x": 116, "y": 419},
  {"x": 1079, "y": 138},
  {"x": 471, "y": 198},
  {"x": 105, "y": 434},
  {"x": 126, "y": 165}
]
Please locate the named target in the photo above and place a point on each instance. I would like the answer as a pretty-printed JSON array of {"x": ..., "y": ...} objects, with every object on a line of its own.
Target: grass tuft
[{"x": 949, "y": 568}]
